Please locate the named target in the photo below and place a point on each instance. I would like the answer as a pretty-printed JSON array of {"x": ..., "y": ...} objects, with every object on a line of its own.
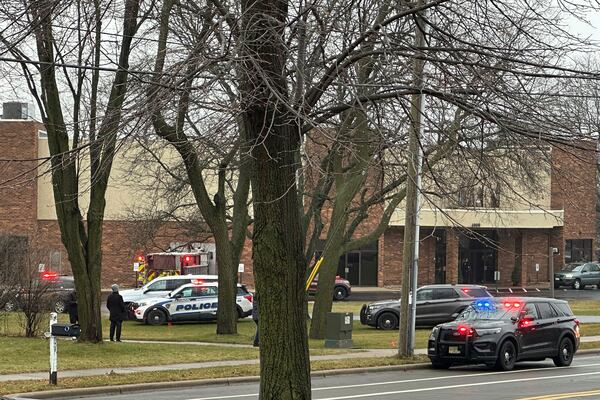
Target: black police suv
[
  {"x": 435, "y": 304},
  {"x": 502, "y": 331}
]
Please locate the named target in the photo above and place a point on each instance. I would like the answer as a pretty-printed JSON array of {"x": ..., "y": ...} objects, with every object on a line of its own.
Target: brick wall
[
  {"x": 18, "y": 189},
  {"x": 573, "y": 188}
]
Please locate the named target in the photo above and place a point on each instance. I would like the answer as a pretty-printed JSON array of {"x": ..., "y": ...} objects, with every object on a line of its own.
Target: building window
[{"x": 578, "y": 250}]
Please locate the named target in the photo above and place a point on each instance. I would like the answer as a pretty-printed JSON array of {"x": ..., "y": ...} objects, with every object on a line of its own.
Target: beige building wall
[
  {"x": 520, "y": 206},
  {"x": 128, "y": 188}
]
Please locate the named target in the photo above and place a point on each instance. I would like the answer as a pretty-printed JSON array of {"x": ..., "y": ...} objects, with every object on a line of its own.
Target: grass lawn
[
  {"x": 585, "y": 307},
  {"x": 203, "y": 373}
]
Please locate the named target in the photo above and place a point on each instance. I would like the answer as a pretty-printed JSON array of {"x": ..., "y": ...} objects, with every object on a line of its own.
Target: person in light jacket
[{"x": 116, "y": 307}]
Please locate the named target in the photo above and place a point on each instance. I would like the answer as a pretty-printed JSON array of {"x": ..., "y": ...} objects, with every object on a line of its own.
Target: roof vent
[{"x": 16, "y": 110}]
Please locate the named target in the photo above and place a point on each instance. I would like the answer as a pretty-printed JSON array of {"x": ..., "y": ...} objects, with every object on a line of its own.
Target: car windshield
[
  {"x": 496, "y": 312},
  {"x": 578, "y": 268},
  {"x": 568, "y": 267}
]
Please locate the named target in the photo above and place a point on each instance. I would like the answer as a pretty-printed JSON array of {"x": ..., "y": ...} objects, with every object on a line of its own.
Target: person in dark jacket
[
  {"x": 116, "y": 306},
  {"x": 255, "y": 316},
  {"x": 72, "y": 307}
]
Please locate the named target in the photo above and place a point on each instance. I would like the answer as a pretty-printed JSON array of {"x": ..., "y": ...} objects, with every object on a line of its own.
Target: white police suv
[{"x": 190, "y": 302}]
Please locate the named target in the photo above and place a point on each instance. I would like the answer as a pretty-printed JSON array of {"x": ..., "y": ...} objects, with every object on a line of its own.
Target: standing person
[
  {"x": 255, "y": 316},
  {"x": 72, "y": 307},
  {"x": 116, "y": 306}
]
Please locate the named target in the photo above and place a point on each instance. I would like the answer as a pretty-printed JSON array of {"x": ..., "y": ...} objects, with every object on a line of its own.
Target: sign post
[
  {"x": 240, "y": 272},
  {"x": 53, "y": 350}
]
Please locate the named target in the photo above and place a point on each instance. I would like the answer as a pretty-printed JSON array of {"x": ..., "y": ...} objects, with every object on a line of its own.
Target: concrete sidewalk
[{"x": 356, "y": 354}]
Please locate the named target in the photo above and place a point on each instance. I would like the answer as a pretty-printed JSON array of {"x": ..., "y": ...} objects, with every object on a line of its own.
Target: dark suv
[
  {"x": 53, "y": 292},
  {"x": 500, "y": 332},
  {"x": 435, "y": 304}
]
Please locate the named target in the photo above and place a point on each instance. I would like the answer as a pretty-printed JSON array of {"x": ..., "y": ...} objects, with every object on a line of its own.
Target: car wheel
[
  {"x": 387, "y": 321},
  {"x": 156, "y": 317},
  {"x": 59, "y": 306},
  {"x": 440, "y": 364},
  {"x": 507, "y": 356},
  {"x": 565, "y": 353},
  {"x": 340, "y": 293},
  {"x": 9, "y": 306},
  {"x": 577, "y": 284}
]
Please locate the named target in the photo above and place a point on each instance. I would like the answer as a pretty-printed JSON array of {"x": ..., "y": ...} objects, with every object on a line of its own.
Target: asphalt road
[{"x": 528, "y": 381}]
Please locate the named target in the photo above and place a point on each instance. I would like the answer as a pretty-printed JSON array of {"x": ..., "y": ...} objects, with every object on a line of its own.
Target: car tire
[
  {"x": 577, "y": 284},
  {"x": 59, "y": 307},
  {"x": 387, "y": 321},
  {"x": 440, "y": 364},
  {"x": 9, "y": 306},
  {"x": 340, "y": 293},
  {"x": 156, "y": 317},
  {"x": 507, "y": 356},
  {"x": 565, "y": 353}
]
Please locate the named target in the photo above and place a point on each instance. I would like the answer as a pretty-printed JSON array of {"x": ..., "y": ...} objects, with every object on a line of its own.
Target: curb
[{"x": 141, "y": 387}]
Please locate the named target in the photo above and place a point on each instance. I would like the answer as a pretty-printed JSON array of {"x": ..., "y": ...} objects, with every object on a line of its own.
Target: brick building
[{"x": 473, "y": 243}]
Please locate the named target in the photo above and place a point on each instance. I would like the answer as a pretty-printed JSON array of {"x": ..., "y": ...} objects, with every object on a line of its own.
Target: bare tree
[{"x": 71, "y": 56}]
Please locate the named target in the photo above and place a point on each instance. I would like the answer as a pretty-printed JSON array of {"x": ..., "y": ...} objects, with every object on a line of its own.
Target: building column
[{"x": 451, "y": 256}]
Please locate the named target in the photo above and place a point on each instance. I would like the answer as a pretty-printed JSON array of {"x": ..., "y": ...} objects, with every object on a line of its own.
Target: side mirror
[
  {"x": 514, "y": 319},
  {"x": 178, "y": 296}
]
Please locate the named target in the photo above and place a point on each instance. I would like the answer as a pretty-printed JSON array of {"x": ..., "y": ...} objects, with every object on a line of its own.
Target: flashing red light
[
  {"x": 140, "y": 258},
  {"x": 525, "y": 322},
  {"x": 466, "y": 290},
  {"x": 466, "y": 331},
  {"x": 187, "y": 258},
  {"x": 197, "y": 281},
  {"x": 249, "y": 297},
  {"x": 49, "y": 275}
]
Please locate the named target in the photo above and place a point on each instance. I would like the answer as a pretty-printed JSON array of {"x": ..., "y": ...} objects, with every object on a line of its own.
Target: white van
[{"x": 162, "y": 286}]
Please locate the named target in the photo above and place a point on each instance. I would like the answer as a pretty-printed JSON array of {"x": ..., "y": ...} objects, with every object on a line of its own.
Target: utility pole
[{"x": 410, "y": 253}]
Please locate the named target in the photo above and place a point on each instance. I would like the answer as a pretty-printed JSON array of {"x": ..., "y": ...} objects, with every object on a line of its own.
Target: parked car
[
  {"x": 341, "y": 290},
  {"x": 161, "y": 286},
  {"x": 578, "y": 277},
  {"x": 189, "y": 303},
  {"x": 53, "y": 292},
  {"x": 435, "y": 304},
  {"x": 502, "y": 331}
]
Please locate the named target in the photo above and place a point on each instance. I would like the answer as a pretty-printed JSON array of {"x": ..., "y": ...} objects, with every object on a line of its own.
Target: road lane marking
[
  {"x": 435, "y": 378},
  {"x": 559, "y": 396},
  {"x": 358, "y": 396}
]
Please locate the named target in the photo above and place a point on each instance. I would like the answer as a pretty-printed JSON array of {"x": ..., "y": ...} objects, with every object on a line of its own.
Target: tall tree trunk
[
  {"x": 324, "y": 297},
  {"x": 227, "y": 314},
  {"x": 278, "y": 260}
]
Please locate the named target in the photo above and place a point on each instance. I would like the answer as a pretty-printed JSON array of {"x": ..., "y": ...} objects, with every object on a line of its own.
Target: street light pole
[{"x": 410, "y": 255}]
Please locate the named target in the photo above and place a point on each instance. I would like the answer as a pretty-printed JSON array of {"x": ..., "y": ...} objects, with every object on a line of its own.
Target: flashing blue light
[{"x": 484, "y": 305}]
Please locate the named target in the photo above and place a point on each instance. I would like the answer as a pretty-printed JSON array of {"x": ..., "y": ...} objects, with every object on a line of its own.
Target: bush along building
[{"x": 474, "y": 229}]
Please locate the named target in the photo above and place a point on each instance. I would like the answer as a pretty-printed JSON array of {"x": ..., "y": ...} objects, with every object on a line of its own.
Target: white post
[{"x": 53, "y": 350}]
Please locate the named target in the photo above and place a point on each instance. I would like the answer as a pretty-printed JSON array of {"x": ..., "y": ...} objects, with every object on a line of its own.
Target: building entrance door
[
  {"x": 484, "y": 265},
  {"x": 477, "y": 257},
  {"x": 360, "y": 267}
]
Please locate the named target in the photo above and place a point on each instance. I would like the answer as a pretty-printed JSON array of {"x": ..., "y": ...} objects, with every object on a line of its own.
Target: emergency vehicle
[
  {"x": 189, "y": 303},
  {"x": 171, "y": 263}
]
